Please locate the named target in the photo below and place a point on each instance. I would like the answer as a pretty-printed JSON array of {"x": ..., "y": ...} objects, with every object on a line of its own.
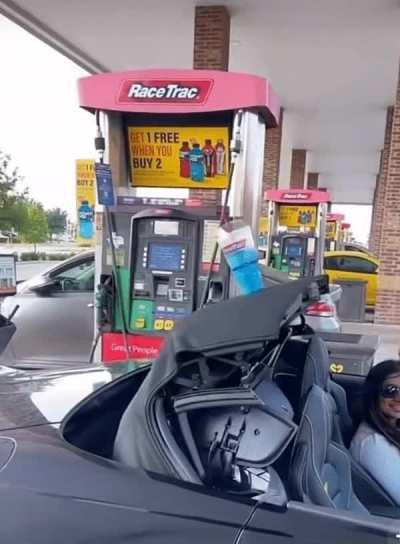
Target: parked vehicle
[
  {"x": 55, "y": 321},
  {"x": 353, "y": 265},
  {"x": 230, "y": 437},
  {"x": 322, "y": 314}
]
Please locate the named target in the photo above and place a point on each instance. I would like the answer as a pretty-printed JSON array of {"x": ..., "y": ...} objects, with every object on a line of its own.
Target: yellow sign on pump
[
  {"x": 85, "y": 202},
  {"x": 330, "y": 232},
  {"x": 298, "y": 216},
  {"x": 181, "y": 157},
  {"x": 263, "y": 225}
]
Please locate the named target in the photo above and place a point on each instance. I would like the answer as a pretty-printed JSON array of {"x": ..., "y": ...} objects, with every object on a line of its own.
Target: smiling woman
[{"x": 376, "y": 444}]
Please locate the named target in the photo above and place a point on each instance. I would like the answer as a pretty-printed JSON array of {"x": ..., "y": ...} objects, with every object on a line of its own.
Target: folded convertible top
[{"x": 241, "y": 320}]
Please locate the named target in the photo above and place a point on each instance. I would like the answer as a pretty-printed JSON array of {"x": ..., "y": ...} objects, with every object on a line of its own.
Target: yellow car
[{"x": 353, "y": 265}]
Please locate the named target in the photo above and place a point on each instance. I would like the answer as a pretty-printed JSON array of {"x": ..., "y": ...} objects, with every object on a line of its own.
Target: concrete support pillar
[
  {"x": 388, "y": 303},
  {"x": 380, "y": 188},
  {"x": 211, "y": 52},
  {"x": 272, "y": 158},
  {"x": 312, "y": 180},
  {"x": 298, "y": 168}
]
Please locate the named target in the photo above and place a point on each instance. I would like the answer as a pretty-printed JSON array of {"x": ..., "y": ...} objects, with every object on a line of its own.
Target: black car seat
[
  {"x": 317, "y": 372},
  {"x": 320, "y": 470}
]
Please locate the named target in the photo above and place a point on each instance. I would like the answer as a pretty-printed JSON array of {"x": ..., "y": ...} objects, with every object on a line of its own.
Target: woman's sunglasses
[{"x": 391, "y": 391}]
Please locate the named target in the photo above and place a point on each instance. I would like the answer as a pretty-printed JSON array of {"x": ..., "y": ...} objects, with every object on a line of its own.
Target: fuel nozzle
[
  {"x": 99, "y": 140},
  {"x": 100, "y": 143},
  {"x": 236, "y": 141}
]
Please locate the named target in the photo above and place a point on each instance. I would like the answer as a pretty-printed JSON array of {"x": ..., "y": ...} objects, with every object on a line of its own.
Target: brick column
[
  {"x": 388, "y": 304},
  {"x": 312, "y": 180},
  {"x": 298, "y": 169},
  {"x": 272, "y": 157},
  {"x": 210, "y": 52},
  {"x": 380, "y": 189}
]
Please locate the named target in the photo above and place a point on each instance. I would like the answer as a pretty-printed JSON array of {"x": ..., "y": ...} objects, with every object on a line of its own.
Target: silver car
[{"x": 55, "y": 321}]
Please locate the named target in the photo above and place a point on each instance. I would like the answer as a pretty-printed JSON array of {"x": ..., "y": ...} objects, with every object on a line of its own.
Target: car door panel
[
  {"x": 87, "y": 499},
  {"x": 302, "y": 523},
  {"x": 54, "y": 324},
  {"x": 55, "y": 327}
]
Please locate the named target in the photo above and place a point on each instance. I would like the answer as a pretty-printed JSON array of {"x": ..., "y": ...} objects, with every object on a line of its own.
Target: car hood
[{"x": 39, "y": 398}]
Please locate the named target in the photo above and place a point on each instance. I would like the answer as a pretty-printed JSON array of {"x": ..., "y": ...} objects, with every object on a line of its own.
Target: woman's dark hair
[{"x": 373, "y": 386}]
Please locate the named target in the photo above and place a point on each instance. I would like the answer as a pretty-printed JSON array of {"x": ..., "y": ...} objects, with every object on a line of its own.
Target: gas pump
[
  {"x": 334, "y": 238},
  {"x": 296, "y": 227},
  {"x": 156, "y": 256},
  {"x": 347, "y": 234}
]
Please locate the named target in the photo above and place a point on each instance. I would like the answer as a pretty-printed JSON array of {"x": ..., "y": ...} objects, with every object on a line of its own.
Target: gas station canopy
[{"x": 318, "y": 56}]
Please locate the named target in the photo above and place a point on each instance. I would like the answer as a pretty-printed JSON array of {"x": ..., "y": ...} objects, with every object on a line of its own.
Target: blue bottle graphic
[
  {"x": 85, "y": 213},
  {"x": 236, "y": 241},
  {"x": 196, "y": 163}
]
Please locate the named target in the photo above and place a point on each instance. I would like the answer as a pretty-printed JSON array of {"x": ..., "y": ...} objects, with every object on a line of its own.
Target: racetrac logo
[
  {"x": 296, "y": 196},
  {"x": 165, "y": 91}
]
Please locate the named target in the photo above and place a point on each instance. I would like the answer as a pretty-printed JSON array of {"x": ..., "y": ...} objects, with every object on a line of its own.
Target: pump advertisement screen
[
  {"x": 298, "y": 216},
  {"x": 181, "y": 157}
]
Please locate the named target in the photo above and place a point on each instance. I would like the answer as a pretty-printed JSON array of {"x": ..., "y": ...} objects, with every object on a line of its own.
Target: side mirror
[{"x": 45, "y": 285}]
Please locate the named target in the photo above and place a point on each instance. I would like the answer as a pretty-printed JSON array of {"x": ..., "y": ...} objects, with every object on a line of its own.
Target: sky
[
  {"x": 41, "y": 125},
  {"x": 45, "y": 131}
]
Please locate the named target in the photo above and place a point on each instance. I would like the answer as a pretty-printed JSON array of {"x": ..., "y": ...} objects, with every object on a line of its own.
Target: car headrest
[{"x": 316, "y": 367}]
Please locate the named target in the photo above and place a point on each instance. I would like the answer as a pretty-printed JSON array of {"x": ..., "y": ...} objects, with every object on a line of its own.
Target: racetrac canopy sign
[
  {"x": 179, "y": 91},
  {"x": 161, "y": 91}
]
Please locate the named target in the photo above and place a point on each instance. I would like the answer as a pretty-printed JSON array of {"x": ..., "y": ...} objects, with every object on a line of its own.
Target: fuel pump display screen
[
  {"x": 294, "y": 250},
  {"x": 166, "y": 257}
]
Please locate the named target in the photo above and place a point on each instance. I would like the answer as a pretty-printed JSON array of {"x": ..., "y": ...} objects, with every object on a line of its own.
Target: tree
[
  {"x": 9, "y": 176},
  {"x": 36, "y": 229},
  {"x": 57, "y": 221},
  {"x": 13, "y": 213}
]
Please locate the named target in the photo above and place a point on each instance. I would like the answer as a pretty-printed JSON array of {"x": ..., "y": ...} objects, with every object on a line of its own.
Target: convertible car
[{"x": 236, "y": 434}]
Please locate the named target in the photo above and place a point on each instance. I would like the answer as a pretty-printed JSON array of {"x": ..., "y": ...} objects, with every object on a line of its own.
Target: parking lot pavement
[{"x": 389, "y": 347}]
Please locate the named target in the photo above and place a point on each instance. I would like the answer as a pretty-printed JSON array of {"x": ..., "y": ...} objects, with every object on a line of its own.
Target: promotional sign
[
  {"x": 8, "y": 278},
  {"x": 330, "y": 232},
  {"x": 263, "y": 225},
  {"x": 181, "y": 157},
  {"x": 105, "y": 188},
  {"x": 298, "y": 216},
  {"x": 85, "y": 201},
  {"x": 141, "y": 348}
]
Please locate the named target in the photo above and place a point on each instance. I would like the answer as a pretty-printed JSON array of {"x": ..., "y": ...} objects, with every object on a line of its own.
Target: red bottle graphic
[
  {"x": 220, "y": 157},
  {"x": 210, "y": 163},
  {"x": 184, "y": 160}
]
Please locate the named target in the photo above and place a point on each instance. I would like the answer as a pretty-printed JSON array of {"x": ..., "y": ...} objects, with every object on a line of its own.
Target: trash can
[
  {"x": 351, "y": 306},
  {"x": 351, "y": 353}
]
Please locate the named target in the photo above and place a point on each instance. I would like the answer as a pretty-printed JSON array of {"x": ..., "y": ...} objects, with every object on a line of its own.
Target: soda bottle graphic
[
  {"x": 209, "y": 159},
  {"x": 220, "y": 157},
  {"x": 197, "y": 163},
  {"x": 184, "y": 160},
  {"x": 85, "y": 213}
]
